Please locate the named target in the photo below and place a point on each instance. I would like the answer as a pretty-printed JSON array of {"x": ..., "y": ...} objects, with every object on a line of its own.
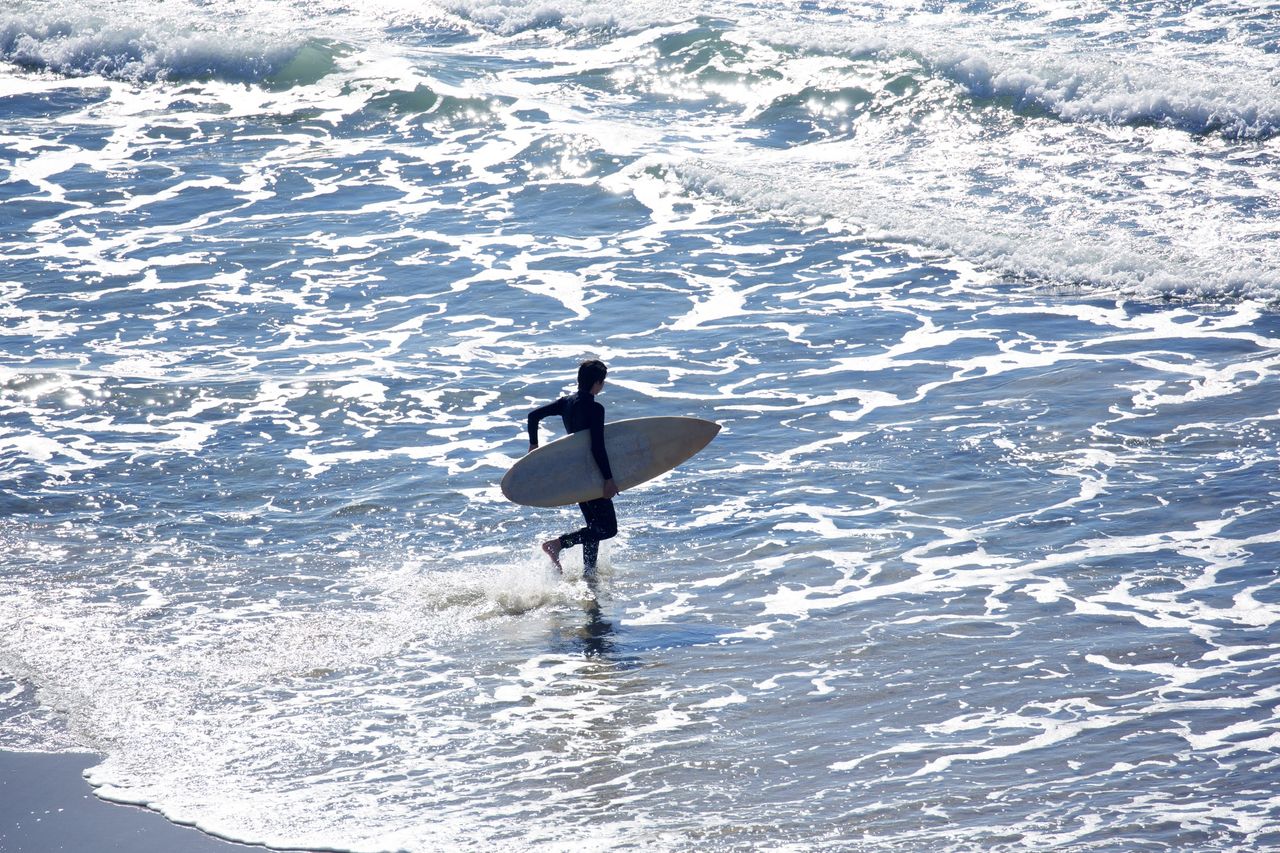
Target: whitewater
[{"x": 984, "y": 296}]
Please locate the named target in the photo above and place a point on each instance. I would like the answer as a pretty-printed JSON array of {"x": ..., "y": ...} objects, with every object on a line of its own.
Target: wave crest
[
  {"x": 1111, "y": 92},
  {"x": 160, "y": 50}
]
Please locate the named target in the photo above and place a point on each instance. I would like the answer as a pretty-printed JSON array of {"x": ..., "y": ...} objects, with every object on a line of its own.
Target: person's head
[{"x": 591, "y": 375}]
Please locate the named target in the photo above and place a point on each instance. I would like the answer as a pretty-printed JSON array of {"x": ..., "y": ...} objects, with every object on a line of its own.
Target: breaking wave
[{"x": 160, "y": 49}]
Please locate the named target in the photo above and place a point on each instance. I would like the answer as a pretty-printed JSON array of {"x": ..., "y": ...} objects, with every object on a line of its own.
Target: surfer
[{"x": 578, "y": 412}]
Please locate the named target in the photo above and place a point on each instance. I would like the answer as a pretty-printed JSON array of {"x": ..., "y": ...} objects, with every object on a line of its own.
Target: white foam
[
  {"x": 145, "y": 42},
  {"x": 511, "y": 17},
  {"x": 1121, "y": 87},
  {"x": 913, "y": 202}
]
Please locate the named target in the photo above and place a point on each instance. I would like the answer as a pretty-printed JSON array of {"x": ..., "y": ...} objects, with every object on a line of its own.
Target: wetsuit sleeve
[
  {"x": 596, "y": 425},
  {"x": 536, "y": 416}
]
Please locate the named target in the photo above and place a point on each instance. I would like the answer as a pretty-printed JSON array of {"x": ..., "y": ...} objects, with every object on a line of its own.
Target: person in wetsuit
[{"x": 578, "y": 412}]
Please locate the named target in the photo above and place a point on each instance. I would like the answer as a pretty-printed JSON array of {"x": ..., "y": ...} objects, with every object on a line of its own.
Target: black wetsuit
[{"x": 581, "y": 411}]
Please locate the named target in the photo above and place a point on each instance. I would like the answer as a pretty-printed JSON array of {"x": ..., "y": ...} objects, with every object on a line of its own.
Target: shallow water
[{"x": 980, "y": 560}]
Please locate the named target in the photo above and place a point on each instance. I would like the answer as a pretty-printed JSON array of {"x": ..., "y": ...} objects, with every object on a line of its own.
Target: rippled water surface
[{"x": 983, "y": 296}]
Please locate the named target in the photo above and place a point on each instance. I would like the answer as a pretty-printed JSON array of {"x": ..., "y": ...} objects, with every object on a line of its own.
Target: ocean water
[{"x": 983, "y": 294}]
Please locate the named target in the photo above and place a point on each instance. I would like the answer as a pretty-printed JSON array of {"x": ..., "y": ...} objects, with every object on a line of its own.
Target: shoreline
[{"x": 47, "y": 805}]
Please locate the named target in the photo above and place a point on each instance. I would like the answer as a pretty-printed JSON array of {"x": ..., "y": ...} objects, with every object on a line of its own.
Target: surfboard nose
[{"x": 708, "y": 428}]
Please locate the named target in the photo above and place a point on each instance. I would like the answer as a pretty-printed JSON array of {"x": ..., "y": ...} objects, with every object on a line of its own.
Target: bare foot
[{"x": 552, "y": 549}]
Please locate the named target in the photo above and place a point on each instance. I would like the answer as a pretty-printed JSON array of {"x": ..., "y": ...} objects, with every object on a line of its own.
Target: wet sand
[{"x": 46, "y": 806}]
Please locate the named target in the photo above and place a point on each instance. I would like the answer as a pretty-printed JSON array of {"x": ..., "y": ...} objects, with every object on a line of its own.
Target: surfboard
[{"x": 564, "y": 472}]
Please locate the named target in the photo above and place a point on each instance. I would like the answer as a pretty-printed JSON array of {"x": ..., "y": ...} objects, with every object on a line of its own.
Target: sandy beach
[{"x": 47, "y": 806}]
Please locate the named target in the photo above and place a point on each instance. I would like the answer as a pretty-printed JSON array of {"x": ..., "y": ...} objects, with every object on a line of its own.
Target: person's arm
[
  {"x": 536, "y": 416},
  {"x": 596, "y": 426}
]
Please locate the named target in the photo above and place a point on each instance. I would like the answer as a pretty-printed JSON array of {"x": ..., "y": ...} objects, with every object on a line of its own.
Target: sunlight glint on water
[{"x": 980, "y": 560}]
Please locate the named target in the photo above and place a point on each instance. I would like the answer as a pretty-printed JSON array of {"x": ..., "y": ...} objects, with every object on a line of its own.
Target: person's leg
[
  {"x": 601, "y": 523},
  {"x": 553, "y": 547},
  {"x": 590, "y": 555},
  {"x": 589, "y": 536}
]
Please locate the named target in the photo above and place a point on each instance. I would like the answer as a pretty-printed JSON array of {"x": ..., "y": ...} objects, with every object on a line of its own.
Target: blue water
[{"x": 984, "y": 297}]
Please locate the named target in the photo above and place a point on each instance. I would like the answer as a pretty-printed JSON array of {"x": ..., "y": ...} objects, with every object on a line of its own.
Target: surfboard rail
[{"x": 564, "y": 472}]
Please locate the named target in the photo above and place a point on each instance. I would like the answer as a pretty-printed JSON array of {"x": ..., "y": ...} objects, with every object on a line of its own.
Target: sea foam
[
  {"x": 1110, "y": 88},
  {"x": 150, "y": 47}
]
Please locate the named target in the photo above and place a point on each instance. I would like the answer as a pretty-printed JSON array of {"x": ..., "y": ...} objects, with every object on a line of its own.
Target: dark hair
[{"x": 590, "y": 372}]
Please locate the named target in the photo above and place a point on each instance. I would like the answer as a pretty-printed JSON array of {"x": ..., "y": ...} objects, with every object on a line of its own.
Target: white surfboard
[{"x": 564, "y": 471}]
